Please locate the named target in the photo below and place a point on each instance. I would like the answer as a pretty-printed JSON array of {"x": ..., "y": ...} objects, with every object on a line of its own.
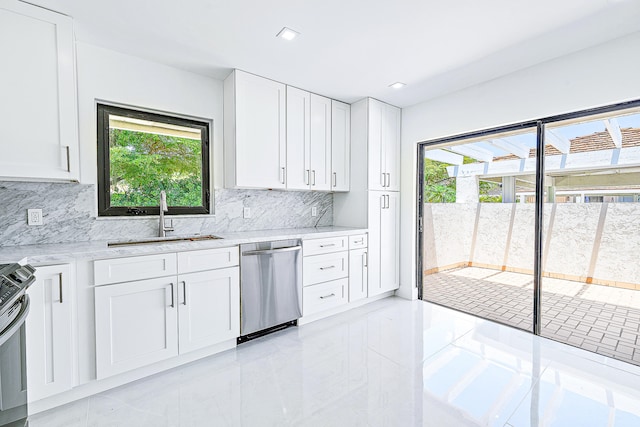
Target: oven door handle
[
  {"x": 17, "y": 322},
  {"x": 272, "y": 251}
]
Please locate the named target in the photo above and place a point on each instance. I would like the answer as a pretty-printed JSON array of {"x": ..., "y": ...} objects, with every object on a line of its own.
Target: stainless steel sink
[{"x": 158, "y": 240}]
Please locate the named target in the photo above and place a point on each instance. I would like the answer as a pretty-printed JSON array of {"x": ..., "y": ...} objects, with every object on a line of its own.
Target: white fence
[{"x": 589, "y": 242}]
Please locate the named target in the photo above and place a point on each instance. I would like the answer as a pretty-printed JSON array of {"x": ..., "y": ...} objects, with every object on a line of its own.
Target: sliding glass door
[
  {"x": 479, "y": 204},
  {"x": 537, "y": 226},
  {"x": 591, "y": 269}
]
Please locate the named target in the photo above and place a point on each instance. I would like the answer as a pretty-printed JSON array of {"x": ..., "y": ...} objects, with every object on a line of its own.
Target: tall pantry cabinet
[{"x": 374, "y": 199}]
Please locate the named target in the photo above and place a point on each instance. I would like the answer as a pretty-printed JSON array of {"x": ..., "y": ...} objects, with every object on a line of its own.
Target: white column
[
  {"x": 467, "y": 189},
  {"x": 508, "y": 189}
]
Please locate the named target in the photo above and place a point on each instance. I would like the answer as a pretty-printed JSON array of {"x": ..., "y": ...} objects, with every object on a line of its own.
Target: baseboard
[{"x": 98, "y": 386}]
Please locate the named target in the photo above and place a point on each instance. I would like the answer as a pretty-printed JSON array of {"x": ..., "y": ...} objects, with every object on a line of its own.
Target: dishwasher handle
[{"x": 272, "y": 251}]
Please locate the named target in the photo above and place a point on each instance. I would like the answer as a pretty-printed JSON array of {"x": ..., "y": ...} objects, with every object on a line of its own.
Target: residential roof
[{"x": 595, "y": 142}]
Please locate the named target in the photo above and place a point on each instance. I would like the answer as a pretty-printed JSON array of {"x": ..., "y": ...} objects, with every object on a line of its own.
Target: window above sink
[{"x": 142, "y": 153}]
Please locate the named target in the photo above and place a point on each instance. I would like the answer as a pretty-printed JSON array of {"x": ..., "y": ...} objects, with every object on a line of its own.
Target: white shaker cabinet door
[
  {"x": 384, "y": 242},
  {"x": 391, "y": 140},
  {"x": 375, "y": 132},
  {"x": 383, "y": 146},
  {"x": 208, "y": 308},
  {"x": 136, "y": 324},
  {"x": 390, "y": 243},
  {"x": 49, "y": 333},
  {"x": 298, "y": 139},
  {"x": 320, "y": 143},
  {"x": 255, "y": 132},
  {"x": 38, "y": 106},
  {"x": 358, "y": 274},
  {"x": 340, "y": 145}
]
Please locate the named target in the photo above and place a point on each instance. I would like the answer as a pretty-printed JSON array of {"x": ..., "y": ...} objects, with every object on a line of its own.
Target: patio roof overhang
[{"x": 615, "y": 161}]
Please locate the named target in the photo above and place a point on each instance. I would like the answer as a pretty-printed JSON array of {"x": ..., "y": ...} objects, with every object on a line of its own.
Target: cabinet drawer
[
  {"x": 324, "y": 296},
  {"x": 134, "y": 268},
  {"x": 322, "y": 268},
  {"x": 207, "y": 259},
  {"x": 324, "y": 246},
  {"x": 358, "y": 241}
]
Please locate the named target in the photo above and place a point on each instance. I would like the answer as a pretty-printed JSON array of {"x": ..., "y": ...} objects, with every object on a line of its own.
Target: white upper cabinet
[
  {"x": 308, "y": 141},
  {"x": 340, "y": 145},
  {"x": 298, "y": 139},
  {"x": 384, "y": 146},
  {"x": 281, "y": 137},
  {"x": 254, "y": 132},
  {"x": 38, "y": 106},
  {"x": 320, "y": 143}
]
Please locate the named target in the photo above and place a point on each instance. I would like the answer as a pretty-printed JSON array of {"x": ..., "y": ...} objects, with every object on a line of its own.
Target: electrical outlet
[
  {"x": 314, "y": 211},
  {"x": 34, "y": 216},
  {"x": 246, "y": 213}
]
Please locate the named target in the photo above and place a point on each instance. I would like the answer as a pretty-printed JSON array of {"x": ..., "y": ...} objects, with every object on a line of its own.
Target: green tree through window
[{"x": 143, "y": 164}]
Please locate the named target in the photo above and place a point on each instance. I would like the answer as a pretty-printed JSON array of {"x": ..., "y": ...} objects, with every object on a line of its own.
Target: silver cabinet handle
[
  {"x": 388, "y": 180},
  {"x": 328, "y": 245},
  {"x": 335, "y": 179},
  {"x": 282, "y": 171},
  {"x": 184, "y": 292},
  {"x": 358, "y": 241},
  {"x": 384, "y": 179},
  {"x": 173, "y": 303},
  {"x": 327, "y": 296},
  {"x": 272, "y": 251},
  {"x": 328, "y": 267},
  {"x": 314, "y": 177},
  {"x": 60, "y": 286},
  {"x": 307, "y": 178},
  {"x": 365, "y": 262},
  {"x": 68, "y": 159}
]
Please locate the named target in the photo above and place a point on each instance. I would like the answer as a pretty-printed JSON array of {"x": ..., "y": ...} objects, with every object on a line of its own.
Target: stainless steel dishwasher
[{"x": 270, "y": 287}]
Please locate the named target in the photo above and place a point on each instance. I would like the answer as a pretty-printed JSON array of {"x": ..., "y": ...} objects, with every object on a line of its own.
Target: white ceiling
[{"x": 349, "y": 49}]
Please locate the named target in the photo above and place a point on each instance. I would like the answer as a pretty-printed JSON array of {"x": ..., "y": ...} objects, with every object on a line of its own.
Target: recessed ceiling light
[
  {"x": 397, "y": 85},
  {"x": 287, "y": 34}
]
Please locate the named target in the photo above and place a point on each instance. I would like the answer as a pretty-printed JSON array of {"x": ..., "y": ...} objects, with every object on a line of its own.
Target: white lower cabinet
[
  {"x": 323, "y": 296},
  {"x": 325, "y": 267},
  {"x": 358, "y": 274},
  {"x": 325, "y": 274},
  {"x": 146, "y": 321},
  {"x": 208, "y": 310},
  {"x": 384, "y": 242},
  {"x": 136, "y": 324},
  {"x": 49, "y": 333}
]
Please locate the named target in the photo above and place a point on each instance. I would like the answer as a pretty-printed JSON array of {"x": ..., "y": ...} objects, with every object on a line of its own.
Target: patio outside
[{"x": 602, "y": 319}]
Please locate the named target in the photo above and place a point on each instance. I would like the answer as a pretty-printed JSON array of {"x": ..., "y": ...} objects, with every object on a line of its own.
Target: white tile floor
[{"x": 391, "y": 363}]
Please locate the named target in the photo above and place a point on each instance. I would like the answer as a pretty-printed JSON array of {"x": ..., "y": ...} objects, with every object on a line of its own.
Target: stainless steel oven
[
  {"x": 270, "y": 286},
  {"x": 14, "y": 307}
]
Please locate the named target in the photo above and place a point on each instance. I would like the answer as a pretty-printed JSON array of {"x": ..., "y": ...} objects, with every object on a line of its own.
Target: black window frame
[{"x": 104, "y": 194}]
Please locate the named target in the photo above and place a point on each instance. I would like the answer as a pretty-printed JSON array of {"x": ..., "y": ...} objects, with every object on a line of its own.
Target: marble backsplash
[{"x": 69, "y": 214}]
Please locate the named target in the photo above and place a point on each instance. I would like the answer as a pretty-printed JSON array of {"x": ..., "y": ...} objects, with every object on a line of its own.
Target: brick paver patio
[{"x": 597, "y": 318}]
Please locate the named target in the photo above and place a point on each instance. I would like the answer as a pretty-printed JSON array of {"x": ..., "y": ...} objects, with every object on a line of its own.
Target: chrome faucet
[{"x": 162, "y": 227}]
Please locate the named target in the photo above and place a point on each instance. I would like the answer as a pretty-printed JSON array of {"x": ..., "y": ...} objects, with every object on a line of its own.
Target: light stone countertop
[{"x": 67, "y": 252}]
